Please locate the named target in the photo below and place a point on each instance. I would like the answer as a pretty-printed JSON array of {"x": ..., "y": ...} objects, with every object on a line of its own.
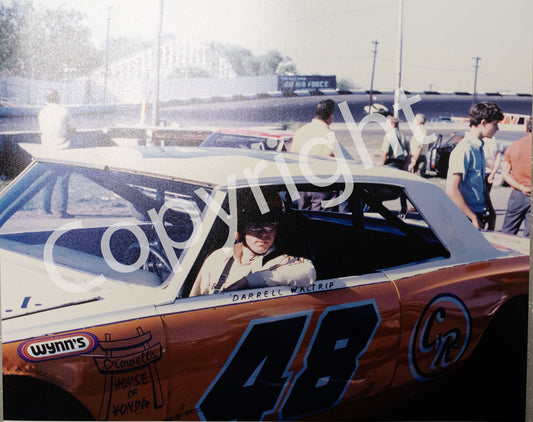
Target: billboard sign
[{"x": 291, "y": 83}]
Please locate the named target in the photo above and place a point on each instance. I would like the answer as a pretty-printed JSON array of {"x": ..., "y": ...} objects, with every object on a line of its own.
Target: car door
[
  {"x": 285, "y": 352},
  {"x": 296, "y": 351}
]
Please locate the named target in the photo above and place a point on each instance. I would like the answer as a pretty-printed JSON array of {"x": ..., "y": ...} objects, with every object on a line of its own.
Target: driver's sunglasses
[{"x": 267, "y": 227}]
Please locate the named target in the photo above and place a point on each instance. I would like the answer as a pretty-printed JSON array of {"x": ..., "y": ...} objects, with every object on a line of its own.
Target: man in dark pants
[
  {"x": 396, "y": 153},
  {"x": 395, "y": 148},
  {"x": 516, "y": 171}
]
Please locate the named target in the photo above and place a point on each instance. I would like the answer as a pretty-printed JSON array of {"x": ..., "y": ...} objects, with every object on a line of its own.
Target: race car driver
[{"x": 254, "y": 261}]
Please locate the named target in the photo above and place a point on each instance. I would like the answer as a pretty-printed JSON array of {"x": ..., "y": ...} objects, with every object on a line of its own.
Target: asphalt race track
[
  {"x": 301, "y": 109},
  {"x": 277, "y": 111}
]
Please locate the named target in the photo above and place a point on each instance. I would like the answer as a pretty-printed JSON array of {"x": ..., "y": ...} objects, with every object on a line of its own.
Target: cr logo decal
[{"x": 440, "y": 337}]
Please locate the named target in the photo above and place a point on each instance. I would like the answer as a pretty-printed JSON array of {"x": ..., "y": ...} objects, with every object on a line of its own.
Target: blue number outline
[
  {"x": 286, "y": 373},
  {"x": 311, "y": 345}
]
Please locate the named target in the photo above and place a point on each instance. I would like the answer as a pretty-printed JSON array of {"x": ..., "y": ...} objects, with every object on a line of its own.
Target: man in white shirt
[
  {"x": 493, "y": 159},
  {"x": 316, "y": 138},
  {"x": 418, "y": 149},
  {"x": 54, "y": 123},
  {"x": 317, "y": 129},
  {"x": 55, "y": 128}
]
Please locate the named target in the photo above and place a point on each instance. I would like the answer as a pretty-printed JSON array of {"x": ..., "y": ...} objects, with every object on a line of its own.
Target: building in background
[{"x": 129, "y": 79}]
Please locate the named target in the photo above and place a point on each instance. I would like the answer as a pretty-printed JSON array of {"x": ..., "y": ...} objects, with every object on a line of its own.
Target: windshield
[{"x": 127, "y": 223}]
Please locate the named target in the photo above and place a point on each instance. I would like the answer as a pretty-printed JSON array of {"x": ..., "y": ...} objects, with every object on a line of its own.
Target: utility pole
[
  {"x": 372, "y": 78},
  {"x": 474, "y": 98},
  {"x": 399, "y": 58},
  {"x": 155, "y": 105}
]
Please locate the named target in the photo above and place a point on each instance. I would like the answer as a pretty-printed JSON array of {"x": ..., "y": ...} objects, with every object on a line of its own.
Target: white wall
[{"x": 19, "y": 91}]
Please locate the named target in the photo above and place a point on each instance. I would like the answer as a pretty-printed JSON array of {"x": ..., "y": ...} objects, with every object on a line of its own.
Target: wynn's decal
[
  {"x": 252, "y": 383},
  {"x": 440, "y": 338},
  {"x": 132, "y": 381},
  {"x": 57, "y": 347}
]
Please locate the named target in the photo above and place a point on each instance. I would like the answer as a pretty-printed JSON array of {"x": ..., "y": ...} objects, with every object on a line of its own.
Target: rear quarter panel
[{"x": 445, "y": 313}]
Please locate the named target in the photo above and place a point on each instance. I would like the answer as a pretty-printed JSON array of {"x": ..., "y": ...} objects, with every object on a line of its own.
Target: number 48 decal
[{"x": 252, "y": 382}]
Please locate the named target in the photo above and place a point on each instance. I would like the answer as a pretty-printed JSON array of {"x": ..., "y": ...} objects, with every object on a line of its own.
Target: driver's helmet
[{"x": 249, "y": 211}]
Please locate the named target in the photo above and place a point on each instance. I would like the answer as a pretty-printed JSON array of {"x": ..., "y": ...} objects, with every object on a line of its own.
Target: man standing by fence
[
  {"x": 54, "y": 123},
  {"x": 55, "y": 129}
]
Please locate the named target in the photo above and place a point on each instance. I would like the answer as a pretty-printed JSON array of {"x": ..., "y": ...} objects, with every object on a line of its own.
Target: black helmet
[{"x": 249, "y": 211}]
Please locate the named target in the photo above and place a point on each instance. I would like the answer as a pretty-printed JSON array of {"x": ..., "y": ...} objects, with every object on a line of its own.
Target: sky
[{"x": 440, "y": 39}]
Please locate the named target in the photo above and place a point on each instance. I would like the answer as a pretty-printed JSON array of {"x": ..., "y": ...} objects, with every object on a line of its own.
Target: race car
[
  {"x": 98, "y": 320},
  {"x": 438, "y": 155},
  {"x": 255, "y": 138},
  {"x": 268, "y": 139}
]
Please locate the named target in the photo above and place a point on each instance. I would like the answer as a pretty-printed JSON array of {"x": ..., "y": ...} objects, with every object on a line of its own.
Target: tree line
[
  {"x": 50, "y": 44},
  {"x": 54, "y": 44}
]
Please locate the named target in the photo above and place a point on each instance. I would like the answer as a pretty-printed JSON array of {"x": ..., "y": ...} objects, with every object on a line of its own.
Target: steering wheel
[{"x": 156, "y": 262}]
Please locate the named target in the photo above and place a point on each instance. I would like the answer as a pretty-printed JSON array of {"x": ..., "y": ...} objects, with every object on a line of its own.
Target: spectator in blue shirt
[{"x": 465, "y": 183}]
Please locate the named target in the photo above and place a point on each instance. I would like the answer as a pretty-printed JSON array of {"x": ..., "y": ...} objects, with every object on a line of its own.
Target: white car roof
[
  {"x": 212, "y": 166},
  {"x": 221, "y": 167}
]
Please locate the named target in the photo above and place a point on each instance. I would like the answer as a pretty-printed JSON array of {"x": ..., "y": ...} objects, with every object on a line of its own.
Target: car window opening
[
  {"x": 98, "y": 201},
  {"x": 377, "y": 228}
]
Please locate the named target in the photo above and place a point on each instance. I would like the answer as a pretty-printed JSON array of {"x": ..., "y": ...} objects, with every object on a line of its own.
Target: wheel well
[
  {"x": 506, "y": 334},
  {"x": 30, "y": 398},
  {"x": 494, "y": 379}
]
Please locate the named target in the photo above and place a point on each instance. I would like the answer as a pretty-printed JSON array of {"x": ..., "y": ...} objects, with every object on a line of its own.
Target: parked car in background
[
  {"x": 439, "y": 154},
  {"x": 444, "y": 119},
  {"x": 258, "y": 139},
  {"x": 98, "y": 322}
]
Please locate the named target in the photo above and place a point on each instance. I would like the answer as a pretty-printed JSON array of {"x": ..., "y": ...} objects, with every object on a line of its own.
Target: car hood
[{"x": 27, "y": 287}]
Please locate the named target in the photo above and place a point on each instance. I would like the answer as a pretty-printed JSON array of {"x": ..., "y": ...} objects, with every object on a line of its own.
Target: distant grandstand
[{"x": 129, "y": 76}]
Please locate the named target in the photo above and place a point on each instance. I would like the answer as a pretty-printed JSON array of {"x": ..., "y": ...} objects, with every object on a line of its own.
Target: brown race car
[{"x": 408, "y": 313}]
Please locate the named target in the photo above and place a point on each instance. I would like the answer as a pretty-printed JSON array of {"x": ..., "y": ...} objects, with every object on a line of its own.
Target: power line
[
  {"x": 498, "y": 78},
  {"x": 416, "y": 66}
]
